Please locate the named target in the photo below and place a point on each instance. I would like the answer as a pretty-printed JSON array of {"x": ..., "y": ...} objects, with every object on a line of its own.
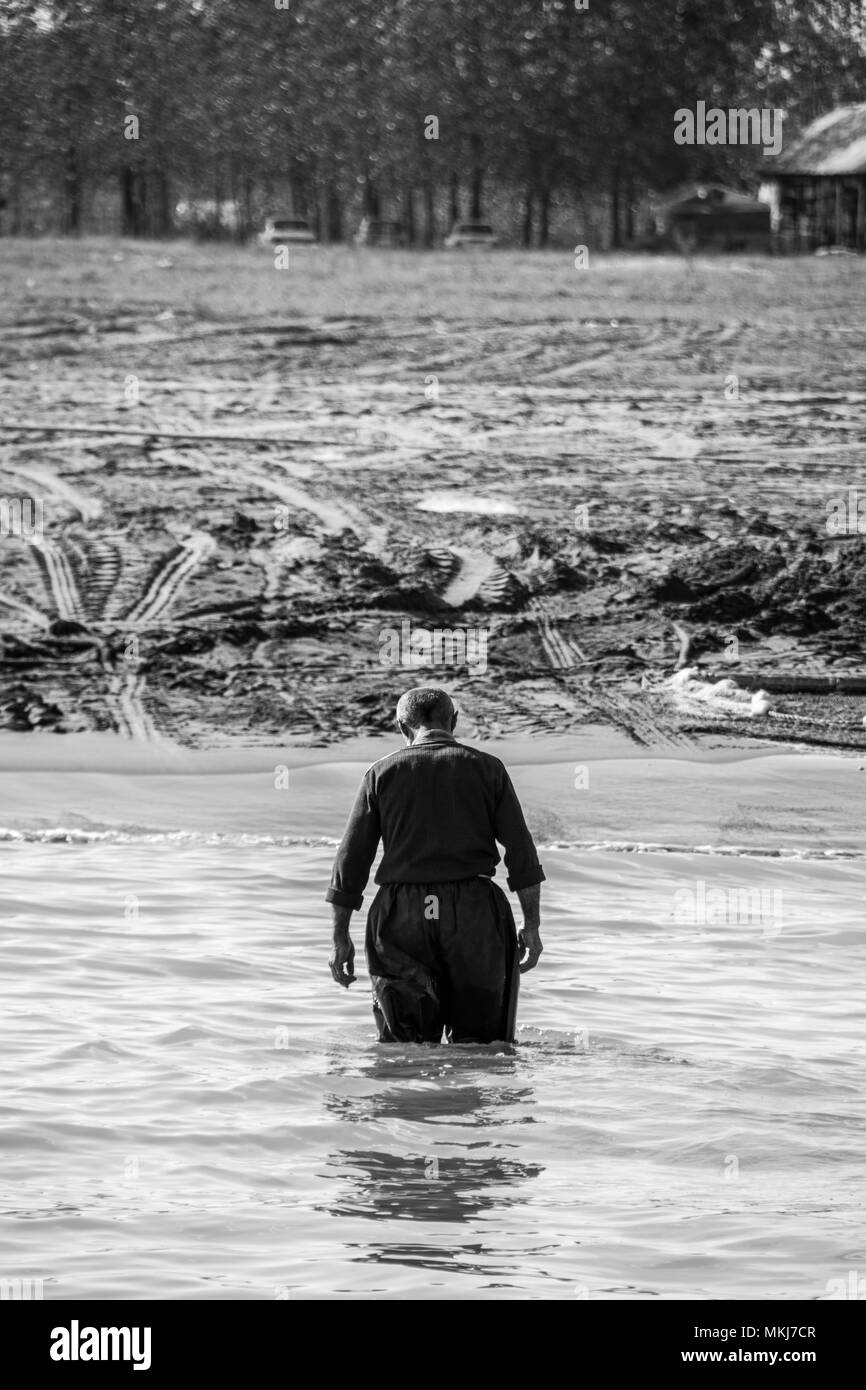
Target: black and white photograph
[{"x": 433, "y": 662}]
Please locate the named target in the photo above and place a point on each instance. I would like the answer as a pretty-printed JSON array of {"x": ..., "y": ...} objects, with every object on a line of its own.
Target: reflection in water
[
  {"x": 426, "y": 1187},
  {"x": 417, "y": 1103}
]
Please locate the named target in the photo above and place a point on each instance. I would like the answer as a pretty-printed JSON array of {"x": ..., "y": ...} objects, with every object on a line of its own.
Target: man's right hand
[
  {"x": 530, "y": 947},
  {"x": 342, "y": 961}
]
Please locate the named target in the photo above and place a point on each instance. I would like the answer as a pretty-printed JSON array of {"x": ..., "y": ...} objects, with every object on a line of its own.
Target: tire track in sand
[
  {"x": 334, "y": 516},
  {"x": 169, "y": 576},
  {"x": 59, "y": 577},
  {"x": 124, "y": 699},
  {"x": 562, "y": 653}
]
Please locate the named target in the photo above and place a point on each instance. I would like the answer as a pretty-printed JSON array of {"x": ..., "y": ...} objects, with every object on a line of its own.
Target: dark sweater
[{"x": 439, "y": 808}]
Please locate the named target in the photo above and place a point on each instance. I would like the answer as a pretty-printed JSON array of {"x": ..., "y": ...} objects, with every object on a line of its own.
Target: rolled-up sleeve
[
  {"x": 357, "y": 850},
  {"x": 512, "y": 832}
]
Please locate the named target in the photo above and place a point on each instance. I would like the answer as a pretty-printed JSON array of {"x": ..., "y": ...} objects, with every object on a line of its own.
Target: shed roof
[{"x": 834, "y": 144}]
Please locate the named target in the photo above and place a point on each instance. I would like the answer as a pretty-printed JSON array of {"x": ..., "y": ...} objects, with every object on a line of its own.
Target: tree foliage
[{"x": 236, "y": 101}]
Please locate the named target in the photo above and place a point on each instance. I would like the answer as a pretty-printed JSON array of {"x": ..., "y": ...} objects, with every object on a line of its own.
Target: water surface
[{"x": 191, "y": 1109}]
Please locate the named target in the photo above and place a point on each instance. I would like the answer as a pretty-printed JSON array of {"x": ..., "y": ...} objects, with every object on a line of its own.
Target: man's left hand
[{"x": 529, "y": 945}]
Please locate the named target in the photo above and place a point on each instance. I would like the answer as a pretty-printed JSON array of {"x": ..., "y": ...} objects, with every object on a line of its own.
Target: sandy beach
[{"x": 263, "y": 495}]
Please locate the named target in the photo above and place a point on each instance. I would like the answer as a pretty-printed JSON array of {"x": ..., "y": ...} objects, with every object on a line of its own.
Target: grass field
[
  {"x": 248, "y": 474},
  {"x": 220, "y": 282}
]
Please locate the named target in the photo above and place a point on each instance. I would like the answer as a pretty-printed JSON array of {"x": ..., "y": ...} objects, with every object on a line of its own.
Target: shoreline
[
  {"x": 597, "y": 792},
  {"x": 110, "y": 753}
]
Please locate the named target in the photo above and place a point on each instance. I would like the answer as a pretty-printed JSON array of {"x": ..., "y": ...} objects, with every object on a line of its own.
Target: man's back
[{"x": 439, "y": 808}]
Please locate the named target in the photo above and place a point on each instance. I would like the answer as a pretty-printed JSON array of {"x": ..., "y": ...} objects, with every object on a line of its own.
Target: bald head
[{"x": 426, "y": 707}]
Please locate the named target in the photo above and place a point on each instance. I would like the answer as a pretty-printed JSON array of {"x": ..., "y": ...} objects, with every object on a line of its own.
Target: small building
[
  {"x": 817, "y": 186},
  {"x": 711, "y": 217}
]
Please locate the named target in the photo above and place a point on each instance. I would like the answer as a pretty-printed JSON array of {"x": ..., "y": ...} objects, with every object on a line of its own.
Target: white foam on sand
[
  {"x": 461, "y": 502},
  {"x": 688, "y": 691}
]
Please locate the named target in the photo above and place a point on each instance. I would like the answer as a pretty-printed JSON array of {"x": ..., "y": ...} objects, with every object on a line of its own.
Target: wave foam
[{"x": 66, "y": 835}]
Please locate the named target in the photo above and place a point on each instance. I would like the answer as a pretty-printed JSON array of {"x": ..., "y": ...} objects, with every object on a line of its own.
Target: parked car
[
  {"x": 471, "y": 234},
  {"x": 287, "y": 231},
  {"x": 372, "y": 232}
]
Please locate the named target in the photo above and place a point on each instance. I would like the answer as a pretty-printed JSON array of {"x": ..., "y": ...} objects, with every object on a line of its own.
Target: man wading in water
[{"x": 442, "y": 948}]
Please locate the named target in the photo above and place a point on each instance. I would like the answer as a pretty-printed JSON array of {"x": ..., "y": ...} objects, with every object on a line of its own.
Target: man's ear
[
  {"x": 405, "y": 730},
  {"x": 454, "y": 720}
]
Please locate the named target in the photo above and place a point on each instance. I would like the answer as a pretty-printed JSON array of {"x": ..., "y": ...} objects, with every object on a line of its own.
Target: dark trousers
[{"x": 443, "y": 956}]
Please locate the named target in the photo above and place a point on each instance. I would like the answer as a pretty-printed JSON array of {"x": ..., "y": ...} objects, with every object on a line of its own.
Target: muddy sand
[{"x": 243, "y": 526}]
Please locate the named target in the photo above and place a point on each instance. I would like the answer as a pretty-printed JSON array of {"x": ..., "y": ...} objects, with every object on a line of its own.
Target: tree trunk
[
  {"x": 126, "y": 201},
  {"x": 143, "y": 204},
  {"x": 316, "y": 204},
  {"x": 409, "y": 215},
  {"x": 615, "y": 237},
  {"x": 477, "y": 194},
  {"x": 454, "y": 197},
  {"x": 477, "y": 183},
  {"x": 371, "y": 199},
  {"x": 248, "y": 206},
  {"x": 132, "y": 202},
  {"x": 164, "y": 221},
  {"x": 334, "y": 213},
  {"x": 526, "y": 230},
  {"x": 298, "y": 195},
  {"x": 15, "y": 229},
  {"x": 71, "y": 192},
  {"x": 629, "y": 210},
  {"x": 429, "y": 213},
  {"x": 235, "y": 228},
  {"x": 544, "y": 217},
  {"x": 218, "y": 194}
]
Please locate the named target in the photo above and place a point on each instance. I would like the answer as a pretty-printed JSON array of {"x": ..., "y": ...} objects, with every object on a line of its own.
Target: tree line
[{"x": 422, "y": 111}]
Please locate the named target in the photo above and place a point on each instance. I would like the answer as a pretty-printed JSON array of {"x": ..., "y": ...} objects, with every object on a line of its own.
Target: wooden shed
[
  {"x": 817, "y": 186},
  {"x": 711, "y": 217}
]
